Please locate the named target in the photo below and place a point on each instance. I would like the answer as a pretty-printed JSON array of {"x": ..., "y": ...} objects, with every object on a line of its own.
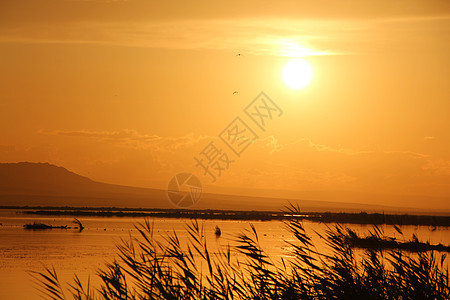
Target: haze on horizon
[{"x": 129, "y": 92}]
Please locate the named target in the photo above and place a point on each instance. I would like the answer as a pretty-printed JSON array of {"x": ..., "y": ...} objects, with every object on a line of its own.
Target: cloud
[
  {"x": 304, "y": 164},
  {"x": 269, "y": 36},
  {"x": 259, "y": 37},
  {"x": 130, "y": 138},
  {"x": 294, "y": 165},
  {"x": 121, "y": 135}
]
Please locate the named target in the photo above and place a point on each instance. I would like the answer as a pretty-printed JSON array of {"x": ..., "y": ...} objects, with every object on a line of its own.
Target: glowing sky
[{"x": 128, "y": 92}]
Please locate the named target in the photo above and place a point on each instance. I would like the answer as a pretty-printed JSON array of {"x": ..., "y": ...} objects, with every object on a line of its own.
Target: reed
[{"x": 147, "y": 268}]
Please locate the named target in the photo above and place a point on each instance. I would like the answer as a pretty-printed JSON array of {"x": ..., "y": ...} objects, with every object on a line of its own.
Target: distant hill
[
  {"x": 27, "y": 183},
  {"x": 45, "y": 184}
]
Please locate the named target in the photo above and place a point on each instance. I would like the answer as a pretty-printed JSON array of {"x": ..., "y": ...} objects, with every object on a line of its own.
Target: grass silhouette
[{"x": 151, "y": 269}]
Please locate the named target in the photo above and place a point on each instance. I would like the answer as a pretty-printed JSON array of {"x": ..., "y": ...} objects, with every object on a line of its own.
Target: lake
[{"x": 84, "y": 252}]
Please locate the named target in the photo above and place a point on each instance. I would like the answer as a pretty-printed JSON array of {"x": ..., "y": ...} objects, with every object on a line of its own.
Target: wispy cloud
[
  {"x": 301, "y": 164},
  {"x": 130, "y": 138},
  {"x": 125, "y": 134},
  {"x": 269, "y": 37},
  {"x": 274, "y": 38}
]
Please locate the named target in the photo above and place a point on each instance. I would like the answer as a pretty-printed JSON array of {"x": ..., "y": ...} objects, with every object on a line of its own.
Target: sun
[{"x": 297, "y": 73}]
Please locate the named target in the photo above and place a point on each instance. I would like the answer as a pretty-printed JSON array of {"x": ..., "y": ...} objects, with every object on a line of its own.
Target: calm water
[{"x": 83, "y": 253}]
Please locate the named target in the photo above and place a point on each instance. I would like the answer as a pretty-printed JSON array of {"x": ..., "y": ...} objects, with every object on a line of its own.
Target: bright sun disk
[{"x": 297, "y": 73}]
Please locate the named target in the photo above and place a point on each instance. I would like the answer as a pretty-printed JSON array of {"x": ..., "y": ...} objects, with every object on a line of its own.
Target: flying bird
[
  {"x": 238, "y": 54},
  {"x": 235, "y": 92}
]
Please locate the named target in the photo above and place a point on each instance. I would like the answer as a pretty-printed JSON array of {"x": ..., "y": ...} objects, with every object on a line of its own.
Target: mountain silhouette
[
  {"x": 44, "y": 184},
  {"x": 28, "y": 183}
]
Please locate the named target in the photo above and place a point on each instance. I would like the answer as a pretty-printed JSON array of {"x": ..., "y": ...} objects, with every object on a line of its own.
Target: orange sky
[{"x": 128, "y": 92}]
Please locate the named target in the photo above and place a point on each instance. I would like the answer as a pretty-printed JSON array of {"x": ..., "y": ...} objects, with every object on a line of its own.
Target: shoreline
[{"x": 320, "y": 217}]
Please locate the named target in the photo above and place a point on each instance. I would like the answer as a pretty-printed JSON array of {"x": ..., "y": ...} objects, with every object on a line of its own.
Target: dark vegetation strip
[
  {"x": 378, "y": 242},
  {"x": 326, "y": 217}
]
